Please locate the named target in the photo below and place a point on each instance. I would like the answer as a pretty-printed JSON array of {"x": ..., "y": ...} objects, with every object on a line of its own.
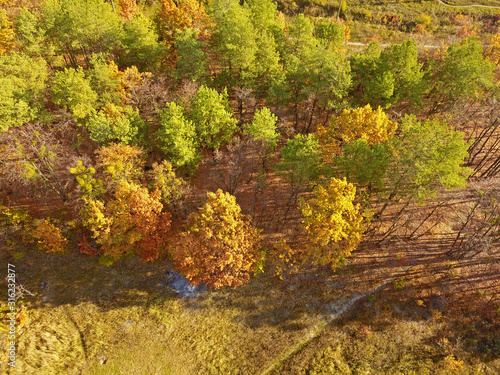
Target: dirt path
[
  {"x": 469, "y": 6},
  {"x": 343, "y": 306}
]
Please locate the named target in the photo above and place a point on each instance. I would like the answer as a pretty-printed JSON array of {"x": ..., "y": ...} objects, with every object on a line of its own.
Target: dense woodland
[{"x": 234, "y": 140}]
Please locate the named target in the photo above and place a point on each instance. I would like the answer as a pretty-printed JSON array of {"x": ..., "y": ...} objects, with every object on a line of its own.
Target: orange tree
[
  {"x": 131, "y": 222},
  {"x": 122, "y": 215},
  {"x": 48, "y": 237},
  {"x": 128, "y": 8},
  {"x": 220, "y": 246},
  {"x": 177, "y": 17},
  {"x": 334, "y": 224}
]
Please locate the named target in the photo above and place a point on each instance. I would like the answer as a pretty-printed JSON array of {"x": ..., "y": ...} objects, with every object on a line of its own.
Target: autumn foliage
[
  {"x": 128, "y": 8},
  {"x": 371, "y": 125},
  {"x": 176, "y": 17},
  {"x": 123, "y": 216},
  {"x": 333, "y": 222},
  {"x": 48, "y": 237},
  {"x": 220, "y": 245},
  {"x": 131, "y": 222}
]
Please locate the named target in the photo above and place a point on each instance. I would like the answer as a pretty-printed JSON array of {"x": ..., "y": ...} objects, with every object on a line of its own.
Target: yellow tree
[
  {"x": 121, "y": 162},
  {"x": 220, "y": 246},
  {"x": 334, "y": 224},
  {"x": 370, "y": 125},
  {"x": 48, "y": 237},
  {"x": 6, "y": 33}
]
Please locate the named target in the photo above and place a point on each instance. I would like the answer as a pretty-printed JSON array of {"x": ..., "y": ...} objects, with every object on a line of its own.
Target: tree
[
  {"x": 428, "y": 154},
  {"x": 220, "y": 247},
  {"x": 90, "y": 186},
  {"x": 6, "y": 33},
  {"x": 334, "y": 224},
  {"x": 72, "y": 90},
  {"x": 48, "y": 237},
  {"x": 263, "y": 128},
  {"x": 177, "y": 136},
  {"x": 120, "y": 162},
  {"x": 266, "y": 65},
  {"x": 32, "y": 155},
  {"x": 213, "y": 117},
  {"x": 128, "y": 9},
  {"x": 297, "y": 50},
  {"x": 105, "y": 80},
  {"x": 263, "y": 14},
  {"x": 191, "y": 59},
  {"x": 122, "y": 215},
  {"x": 139, "y": 45},
  {"x": 372, "y": 126},
  {"x": 22, "y": 89},
  {"x": 389, "y": 76},
  {"x": 164, "y": 180},
  {"x": 402, "y": 61},
  {"x": 327, "y": 78},
  {"x": 30, "y": 36},
  {"x": 81, "y": 27},
  {"x": 300, "y": 159},
  {"x": 364, "y": 164},
  {"x": 129, "y": 223},
  {"x": 464, "y": 73},
  {"x": 235, "y": 39},
  {"x": 177, "y": 17},
  {"x": 332, "y": 34},
  {"x": 115, "y": 124}
]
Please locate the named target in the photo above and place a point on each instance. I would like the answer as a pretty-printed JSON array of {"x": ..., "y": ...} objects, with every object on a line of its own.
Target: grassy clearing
[{"x": 90, "y": 319}]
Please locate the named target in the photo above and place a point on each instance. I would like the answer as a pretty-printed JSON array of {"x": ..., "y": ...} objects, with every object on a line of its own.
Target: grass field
[{"x": 89, "y": 319}]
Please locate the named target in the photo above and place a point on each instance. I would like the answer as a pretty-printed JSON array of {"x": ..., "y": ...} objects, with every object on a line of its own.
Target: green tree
[
  {"x": 402, "y": 61},
  {"x": 389, "y": 76},
  {"x": 31, "y": 37},
  {"x": 213, "y": 117},
  {"x": 464, "y": 73},
  {"x": 220, "y": 246},
  {"x": 263, "y": 127},
  {"x": 81, "y": 27},
  {"x": 263, "y": 14},
  {"x": 331, "y": 34},
  {"x": 365, "y": 164},
  {"x": 300, "y": 159},
  {"x": 104, "y": 78},
  {"x": 266, "y": 65},
  {"x": 191, "y": 59},
  {"x": 177, "y": 136},
  {"x": 22, "y": 89},
  {"x": 327, "y": 78},
  {"x": 72, "y": 90},
  {"x": 139, "y": 45},
  {"x": 428, "y": 155},
  {"x": 115, "y": 124},
  {"x": 235, "y": 39}
]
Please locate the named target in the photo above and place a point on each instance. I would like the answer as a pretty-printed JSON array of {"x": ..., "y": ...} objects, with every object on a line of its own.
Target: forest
[{"x": 249, "y": 187}]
